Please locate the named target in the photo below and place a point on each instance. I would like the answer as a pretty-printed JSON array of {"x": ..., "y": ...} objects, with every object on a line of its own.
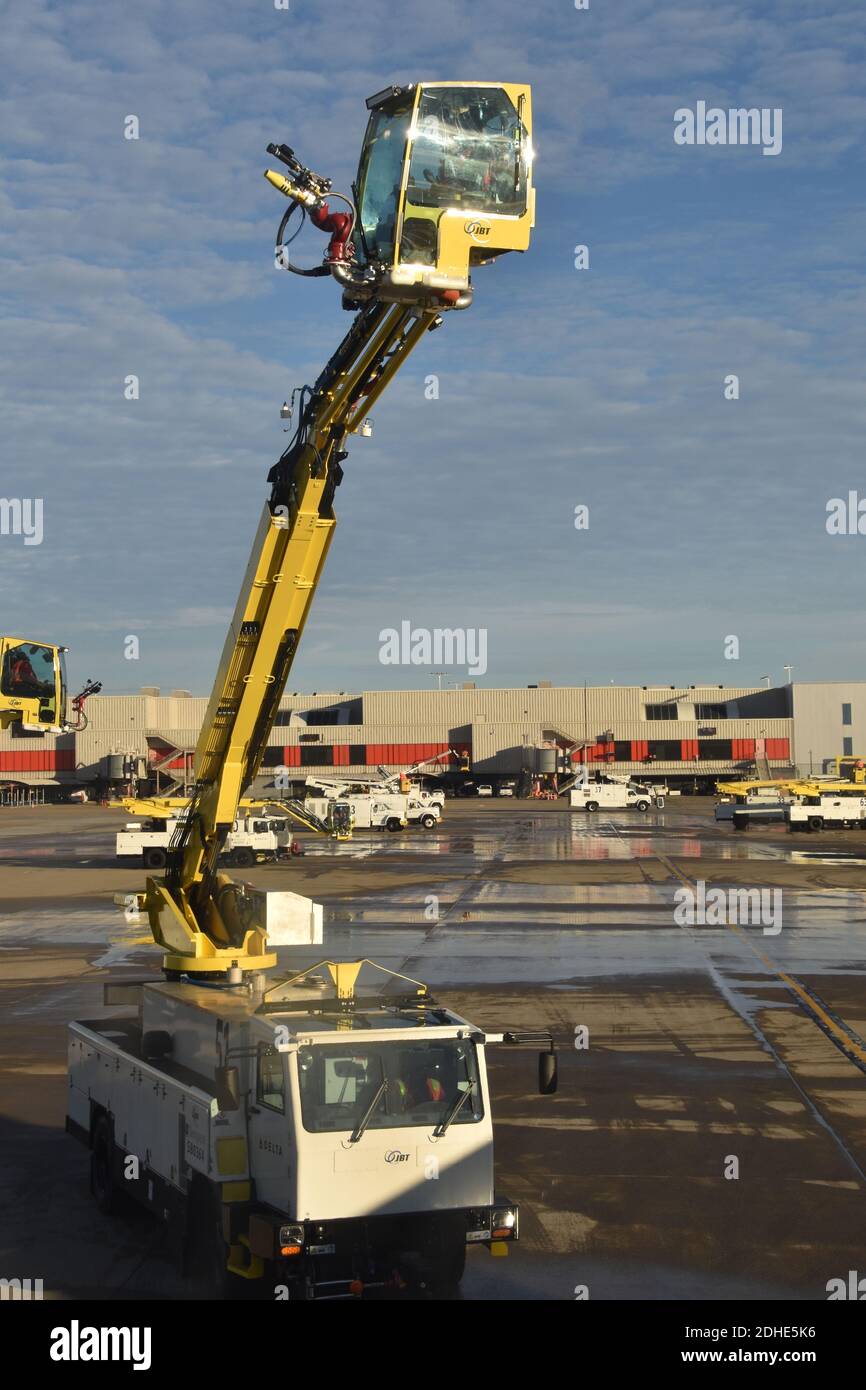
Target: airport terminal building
[{"x": 687, "y": 736}]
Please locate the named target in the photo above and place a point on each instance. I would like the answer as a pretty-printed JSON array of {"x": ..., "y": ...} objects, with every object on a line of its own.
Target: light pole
[
  {"x": 438, "y": 675},
  {"x": 789, "y": 669},
  {"x": 767, "y": 679}
]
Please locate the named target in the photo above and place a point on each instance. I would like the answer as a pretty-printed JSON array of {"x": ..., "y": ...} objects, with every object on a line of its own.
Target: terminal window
[
  {"x": 711, "y": 711},
  {"x": 846, "y": 714},
  {"x": 668, "y": 711}
]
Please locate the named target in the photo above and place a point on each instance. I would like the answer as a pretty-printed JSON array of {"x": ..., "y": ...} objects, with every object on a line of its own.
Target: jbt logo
[
  {"x": 395, "y": 1156},
  {"x": 478, "y": 230}
]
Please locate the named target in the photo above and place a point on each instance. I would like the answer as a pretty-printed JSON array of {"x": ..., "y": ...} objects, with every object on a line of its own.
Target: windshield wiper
[
  {"x": 454, "y": 1110},
  {"x": 368, "y": 1113}
]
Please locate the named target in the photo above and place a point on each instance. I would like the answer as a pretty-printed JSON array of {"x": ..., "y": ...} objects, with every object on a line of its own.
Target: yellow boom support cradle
[{"x": 444, "y": 184}]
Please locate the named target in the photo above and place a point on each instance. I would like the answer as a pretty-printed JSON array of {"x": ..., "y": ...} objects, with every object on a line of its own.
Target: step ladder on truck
[{"x": 286, "y": 1135}]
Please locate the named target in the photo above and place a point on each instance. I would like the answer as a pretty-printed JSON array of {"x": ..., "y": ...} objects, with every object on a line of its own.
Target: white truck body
[
  {"x": 380, "y": 810},
  {"x": 285, "y": 1145},
  {"x": 263, "y": 837},
  {"x": 827, "y": 810},
  {"x": 609, "y": 796}
]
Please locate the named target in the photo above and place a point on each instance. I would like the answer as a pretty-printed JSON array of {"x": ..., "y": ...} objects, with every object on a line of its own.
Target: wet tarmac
[{"x": 708, "y": 1041}]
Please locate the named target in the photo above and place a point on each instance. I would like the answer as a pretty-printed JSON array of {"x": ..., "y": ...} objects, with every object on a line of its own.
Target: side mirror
[
  {"x": 228, "y": 1091},
  {"x": 548, "y": 1073}
]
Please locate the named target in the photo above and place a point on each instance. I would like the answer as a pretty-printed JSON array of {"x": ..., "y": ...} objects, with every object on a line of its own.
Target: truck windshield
[
  {"x": 338, "y": 1082},
  {"x": 29, "y": 671},
  {"x": 470, "y": 151}
]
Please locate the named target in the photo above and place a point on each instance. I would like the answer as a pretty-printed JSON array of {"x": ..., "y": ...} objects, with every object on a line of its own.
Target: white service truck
[
  {"x": 816, "y": 812},
  {"x": 419, "y": 799},
  {"x": 380, "y": 810},
  {"x": 251, "y": 840},
  {"x": 609, "y": 796},
  {"x": 313, "y": 1146}
]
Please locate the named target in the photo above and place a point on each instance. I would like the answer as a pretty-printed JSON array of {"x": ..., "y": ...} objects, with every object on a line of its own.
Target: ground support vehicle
[
  {"x": 818, "y": 812},
  {"x": 608, "y": 796},
  {"x": 301, "y": 1145},
  {"x": 286, "y": 1139},
  {"x": 251, "y": 840}
]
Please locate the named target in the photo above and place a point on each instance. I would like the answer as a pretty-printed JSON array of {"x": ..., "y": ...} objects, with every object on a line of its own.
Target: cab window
[
  {"x": 28, "y": 669},
  {"x": 470, "y": 150},
  {"x": 411, "y": 1085},
  {"x": 380, "y": 176},
  {"x": 271, "y": 1083}
]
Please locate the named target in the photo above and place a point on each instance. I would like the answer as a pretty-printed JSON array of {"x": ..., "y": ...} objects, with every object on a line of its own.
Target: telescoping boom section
[{"x": 444, "y": 185}]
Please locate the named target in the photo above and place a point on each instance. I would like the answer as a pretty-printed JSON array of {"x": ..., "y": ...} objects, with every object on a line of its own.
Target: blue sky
[{"x": 559, "y": 387}]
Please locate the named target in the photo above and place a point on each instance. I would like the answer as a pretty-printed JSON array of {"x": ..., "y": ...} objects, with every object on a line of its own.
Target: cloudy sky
[{"x": 560, "y": 387}]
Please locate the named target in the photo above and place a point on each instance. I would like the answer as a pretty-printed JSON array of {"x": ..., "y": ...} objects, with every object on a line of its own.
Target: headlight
[{"x": 291, "y": 1240}]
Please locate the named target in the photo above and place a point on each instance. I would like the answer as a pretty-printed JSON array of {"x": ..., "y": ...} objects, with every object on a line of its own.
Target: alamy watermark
[
  {"x": 22, "y": 516},
  {"x": 719, "y": 907},
  {"x": 846, "y": 516},
  {"x": 438, "y": 646},
  {"x": 21, "y": 1290},
  {"x": 738, "y": 126}
]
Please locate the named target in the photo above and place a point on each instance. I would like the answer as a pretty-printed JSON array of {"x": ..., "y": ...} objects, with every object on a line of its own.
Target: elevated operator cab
[
  {"x": 32, "y": 685},
  {"x": 444, "y": 183}
]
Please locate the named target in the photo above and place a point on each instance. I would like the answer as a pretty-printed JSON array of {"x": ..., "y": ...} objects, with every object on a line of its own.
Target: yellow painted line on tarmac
[{"x": 848, "y": 1042}]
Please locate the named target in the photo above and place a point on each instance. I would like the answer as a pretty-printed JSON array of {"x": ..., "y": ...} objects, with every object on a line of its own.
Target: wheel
[
  {"x": 592, "y": 806},
  {"x": 444, "y": 1260},
  {"x": 393, "y": 824},
  {"x": 428, "y": 822},
  {"x": 816, "y": 823},
  {"x": 243, "y": 857},
  {"x": 206, "y": 1251},
  {"x": 154, "y": 858},
  {"x": 447, "y": 1273},
  {"x": 642, "y": 805},
  {"x": 103, "y": 1184}
]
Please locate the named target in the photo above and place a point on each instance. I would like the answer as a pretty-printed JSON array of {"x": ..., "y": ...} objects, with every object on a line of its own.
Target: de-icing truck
[
  {"x": 304, "y": 1145},
  {"x": 317, "y": 1145}
]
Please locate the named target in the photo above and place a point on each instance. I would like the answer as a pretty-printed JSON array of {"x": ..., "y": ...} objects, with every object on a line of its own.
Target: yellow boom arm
[{"x": 463, "y": 157}]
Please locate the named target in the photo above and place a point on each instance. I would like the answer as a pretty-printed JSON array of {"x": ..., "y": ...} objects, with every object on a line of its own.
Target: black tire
[
  {"x": 393, "y": 824},
  {"x": 642, "y": 805},
  {"x": 103, "y": 1184},
  {"x": 428, "y": 822},
  {"x": 243, "y": 857},
  {"x": 154, "y": 858},
  {"x": 592, "y": 806},
  {"x": 205, "y": 1252},
  {"x": 816, "y": 823},
  {"x": 444, "y": 1261},
  {"x": 448, "y": 1273}
]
